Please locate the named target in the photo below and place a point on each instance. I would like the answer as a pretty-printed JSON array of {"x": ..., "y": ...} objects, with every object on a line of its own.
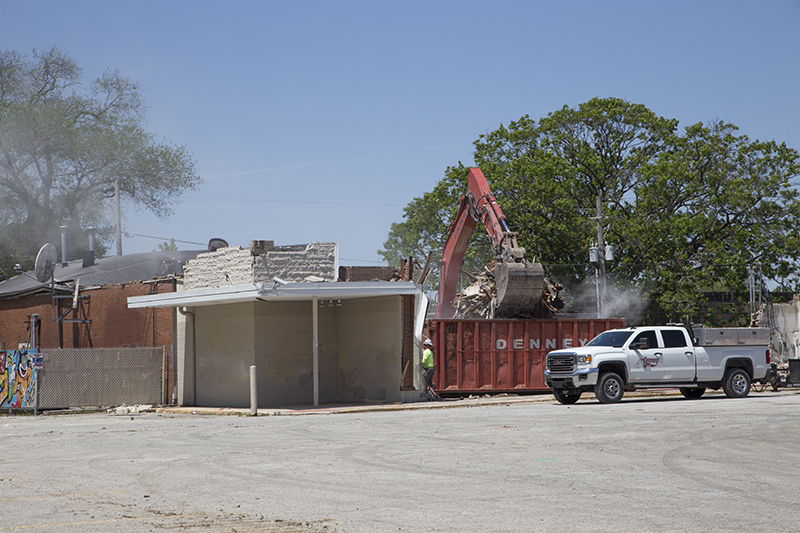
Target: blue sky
[{"x": 320, "y": 121}]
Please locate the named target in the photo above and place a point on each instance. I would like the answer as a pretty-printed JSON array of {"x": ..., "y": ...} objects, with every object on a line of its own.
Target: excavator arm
[{"x": 519, "y": 283}]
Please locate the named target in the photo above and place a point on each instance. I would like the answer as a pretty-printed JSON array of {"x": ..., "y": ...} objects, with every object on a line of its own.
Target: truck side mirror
[{"x": 640, "y": 344}]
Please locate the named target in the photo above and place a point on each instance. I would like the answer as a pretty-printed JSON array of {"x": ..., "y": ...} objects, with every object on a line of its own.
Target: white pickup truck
[{"x": 690, "y": 360}]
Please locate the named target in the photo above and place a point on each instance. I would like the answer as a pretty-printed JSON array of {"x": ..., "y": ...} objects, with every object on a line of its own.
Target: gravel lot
[{"x": 646, "y": 464}]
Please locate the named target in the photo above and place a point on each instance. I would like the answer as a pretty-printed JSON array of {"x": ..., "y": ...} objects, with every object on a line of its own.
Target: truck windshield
[{"x": 611, "y": 338}]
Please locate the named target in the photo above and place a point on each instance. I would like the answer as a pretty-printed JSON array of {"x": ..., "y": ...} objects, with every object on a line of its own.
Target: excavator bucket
[{"x": 519, "y": 287}]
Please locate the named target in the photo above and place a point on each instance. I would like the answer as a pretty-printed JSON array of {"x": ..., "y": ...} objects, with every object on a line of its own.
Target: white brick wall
[{"x": 237, "y": 265}]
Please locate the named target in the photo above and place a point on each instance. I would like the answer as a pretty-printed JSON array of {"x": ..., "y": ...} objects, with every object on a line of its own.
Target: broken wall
[
  {"x": 261, "y": 263},
  {"x": 785, "y": 325},
  {"x": 319, "y": 259}
]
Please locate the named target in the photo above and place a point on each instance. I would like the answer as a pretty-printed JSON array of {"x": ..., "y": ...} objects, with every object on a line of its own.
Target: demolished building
[{"x": 313, "y": 339}]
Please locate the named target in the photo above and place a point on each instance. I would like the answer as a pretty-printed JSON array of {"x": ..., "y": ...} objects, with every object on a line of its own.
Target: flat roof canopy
[{"x": 275, "y": 292}]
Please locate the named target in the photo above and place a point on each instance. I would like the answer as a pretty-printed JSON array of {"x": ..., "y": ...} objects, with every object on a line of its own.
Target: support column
[{"x": 315, "y": 327}]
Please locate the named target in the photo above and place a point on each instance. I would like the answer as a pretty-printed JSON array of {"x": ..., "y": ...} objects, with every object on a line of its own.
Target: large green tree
[
  {"x": 688, "y": 211},
  {"x": 712, "y": 207},
  {"x": 64, "y": 145}
]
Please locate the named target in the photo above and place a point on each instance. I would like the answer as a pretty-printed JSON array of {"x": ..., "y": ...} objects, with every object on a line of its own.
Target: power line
[
  {"x": 129, "y": 235},
  {"x": 360, "y": 260},
  {"x": 262, "y": 200}
]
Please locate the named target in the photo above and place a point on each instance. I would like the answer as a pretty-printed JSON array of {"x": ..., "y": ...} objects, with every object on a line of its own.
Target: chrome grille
[{"x": 564, "y": 362}]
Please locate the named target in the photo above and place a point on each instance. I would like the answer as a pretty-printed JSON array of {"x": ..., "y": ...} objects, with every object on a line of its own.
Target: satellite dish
[
  {"x": 45, "y": 265},
  {"x": 217, "y": 243}
]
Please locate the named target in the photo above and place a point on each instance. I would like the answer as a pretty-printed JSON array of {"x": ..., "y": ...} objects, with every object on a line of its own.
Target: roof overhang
[{"x": 275, "y": 292}]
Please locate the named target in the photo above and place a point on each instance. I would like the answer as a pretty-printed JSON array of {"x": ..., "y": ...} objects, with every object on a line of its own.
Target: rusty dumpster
[{"x": 503, "y": 356}]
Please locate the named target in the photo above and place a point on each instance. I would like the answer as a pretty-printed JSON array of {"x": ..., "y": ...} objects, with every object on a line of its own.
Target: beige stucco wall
[
  {"x": 369, "y": 343},
  {"x": 359, "y": 352},
  {"x": 284, "y": 353},
  {"x": 224, "y": 352}
]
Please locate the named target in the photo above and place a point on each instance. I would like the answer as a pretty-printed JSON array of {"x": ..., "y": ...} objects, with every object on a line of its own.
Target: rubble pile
[
  {"x": 479, "y": 299},
  {"x": 476, "y": 300}
]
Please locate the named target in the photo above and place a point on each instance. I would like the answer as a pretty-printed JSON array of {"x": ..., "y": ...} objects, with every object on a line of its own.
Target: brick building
[
  {"x": 86, "y": 306},
  {"x": 228, "y": 307}
]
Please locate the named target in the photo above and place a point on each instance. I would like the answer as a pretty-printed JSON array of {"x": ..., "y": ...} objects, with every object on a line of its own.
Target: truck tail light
[{"x": 768, "y": 357}]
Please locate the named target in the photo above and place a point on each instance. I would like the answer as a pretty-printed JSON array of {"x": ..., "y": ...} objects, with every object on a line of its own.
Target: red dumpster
[{"x": 496, "y": 356}]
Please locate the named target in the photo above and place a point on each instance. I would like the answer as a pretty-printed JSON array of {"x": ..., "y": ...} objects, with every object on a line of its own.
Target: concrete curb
[{"x": 304, "y": 410}]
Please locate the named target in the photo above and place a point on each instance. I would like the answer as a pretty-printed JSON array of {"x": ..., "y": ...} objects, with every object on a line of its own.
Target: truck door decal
[{"x": 647, "y": 362}]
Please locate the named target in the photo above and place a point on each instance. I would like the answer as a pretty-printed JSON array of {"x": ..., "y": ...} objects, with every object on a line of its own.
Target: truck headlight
[{"x": 584, "y": 359}]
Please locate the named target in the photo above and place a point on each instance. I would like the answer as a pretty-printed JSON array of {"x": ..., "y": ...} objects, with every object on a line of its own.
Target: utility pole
[
  {"x": 601, "y": 254},
  {"x": 119, "y": 217},
  {"x": 598, "y": 254}
]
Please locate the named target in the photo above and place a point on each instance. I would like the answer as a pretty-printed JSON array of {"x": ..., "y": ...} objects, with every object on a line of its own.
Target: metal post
[
  {"x": 253, "y": 392},
  {"x": 315, "y": 327},
  {"x": 33, "y": 346},
  {"x": 597, "y": 290},
  {"x": 36, "y": 394},
  {"x": 594, "y": 258}
]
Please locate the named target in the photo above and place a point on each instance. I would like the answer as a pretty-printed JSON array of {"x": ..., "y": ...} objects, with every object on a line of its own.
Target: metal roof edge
[
  {"x": 274, "y": 292},
  {"x": 208, "y": 296},
  {"x": 340, "y": 289}
]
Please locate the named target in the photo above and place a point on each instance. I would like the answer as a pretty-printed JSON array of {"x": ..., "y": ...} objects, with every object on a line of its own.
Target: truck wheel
[
  {"x": 609, "y": 388},
  {"x": 692, "y": 393},
  {"x": 567, "y": 396},
  {"x": 736, "y": 384}
]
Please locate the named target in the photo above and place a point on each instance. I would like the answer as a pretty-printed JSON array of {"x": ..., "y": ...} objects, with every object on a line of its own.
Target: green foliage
[
  {"x": 63, "y": 144},
  {"x": 168, "y": 246},
  {"x": 426, "y": 224},
  {"x": 713, "y": 205},
  {"x": 688, "y": 211}
]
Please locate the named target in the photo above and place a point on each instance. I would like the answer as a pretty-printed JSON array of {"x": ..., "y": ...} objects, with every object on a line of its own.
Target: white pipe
[
  {"x": 92, "y": 238},
  {"x": 64, "y": 261},
  {"x": 253, "y": 392}
]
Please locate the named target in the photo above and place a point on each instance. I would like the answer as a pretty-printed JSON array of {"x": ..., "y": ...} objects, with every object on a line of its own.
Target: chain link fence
[{"x": 101, "y": 377}]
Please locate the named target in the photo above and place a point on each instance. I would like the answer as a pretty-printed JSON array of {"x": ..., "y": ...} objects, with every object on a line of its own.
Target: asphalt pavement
[{"x": 649, "y": 463}]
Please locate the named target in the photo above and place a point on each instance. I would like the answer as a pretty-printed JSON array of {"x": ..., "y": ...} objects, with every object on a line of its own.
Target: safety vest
[{"x": 427, "y": 358}]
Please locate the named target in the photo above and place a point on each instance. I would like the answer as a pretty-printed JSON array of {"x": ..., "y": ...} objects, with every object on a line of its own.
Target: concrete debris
[
  {"x": 479, "y": 299},
  {"x": 126, "y": 409},
  {"x": 475, "y": 301}
]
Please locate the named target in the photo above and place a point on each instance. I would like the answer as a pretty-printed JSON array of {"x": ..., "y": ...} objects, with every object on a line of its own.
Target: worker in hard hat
[{"x": 428, "y": 367}]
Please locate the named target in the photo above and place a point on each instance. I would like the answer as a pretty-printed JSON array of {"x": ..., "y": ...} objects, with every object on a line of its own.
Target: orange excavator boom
[{"x": 519, "y": 283}]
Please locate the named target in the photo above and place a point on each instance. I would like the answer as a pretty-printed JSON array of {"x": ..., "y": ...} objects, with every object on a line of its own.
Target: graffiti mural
[{"x": 17, "y": 379}]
